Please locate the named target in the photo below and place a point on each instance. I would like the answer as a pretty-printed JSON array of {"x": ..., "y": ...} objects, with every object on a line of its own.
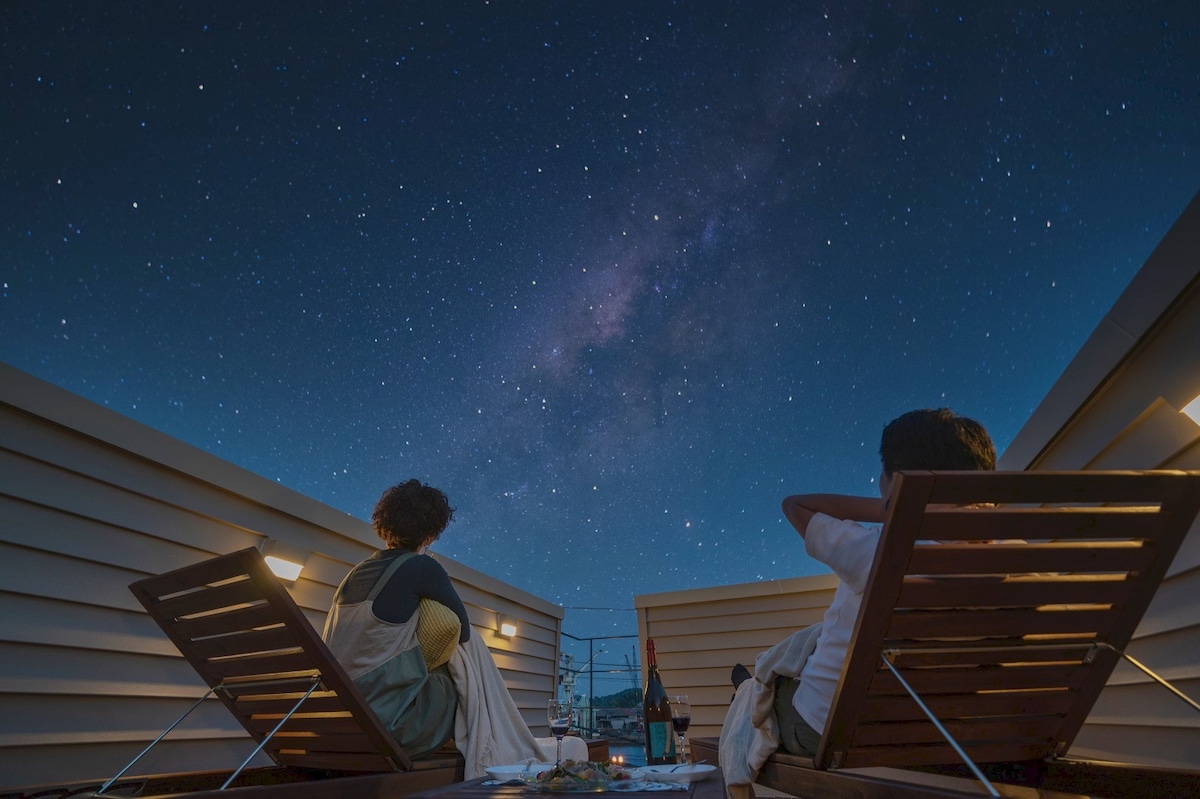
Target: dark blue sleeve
[{"x": 420, "y": 577}]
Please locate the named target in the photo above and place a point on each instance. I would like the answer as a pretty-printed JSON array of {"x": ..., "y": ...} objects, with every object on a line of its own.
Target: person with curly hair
[{"x": 372, "y": 624}]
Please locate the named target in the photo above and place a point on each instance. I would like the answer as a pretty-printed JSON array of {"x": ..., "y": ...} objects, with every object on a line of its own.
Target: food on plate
[{"x": 581, "y": 772}]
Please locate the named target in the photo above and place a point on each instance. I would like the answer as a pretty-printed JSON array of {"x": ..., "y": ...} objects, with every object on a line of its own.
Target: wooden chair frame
[
  {"x": 997, "y": 608},
  {"x": 242, "y": 632}
]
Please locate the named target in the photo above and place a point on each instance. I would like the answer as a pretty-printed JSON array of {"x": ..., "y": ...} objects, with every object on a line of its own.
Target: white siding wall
[
  {"x": 91, "y": 501},
  {"x": 700, "y": 634}
]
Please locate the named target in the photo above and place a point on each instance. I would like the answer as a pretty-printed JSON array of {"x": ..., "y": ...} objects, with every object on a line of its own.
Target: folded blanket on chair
[
  {"x": 488, "y": 727},
  {"x": 750, "y": 733}
]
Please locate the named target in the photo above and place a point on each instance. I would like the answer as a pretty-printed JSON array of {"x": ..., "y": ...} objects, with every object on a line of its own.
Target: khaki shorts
[{"x": 795, "y": 734}]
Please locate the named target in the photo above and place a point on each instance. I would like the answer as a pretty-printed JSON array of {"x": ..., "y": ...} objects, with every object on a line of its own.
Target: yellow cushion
[{"x": 438, "y": 628}]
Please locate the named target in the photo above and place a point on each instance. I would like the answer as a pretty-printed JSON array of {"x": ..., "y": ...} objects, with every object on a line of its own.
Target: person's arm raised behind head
[{"x": 800, "y": 508}]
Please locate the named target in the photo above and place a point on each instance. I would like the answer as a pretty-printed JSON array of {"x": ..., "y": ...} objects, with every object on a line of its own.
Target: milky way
[{"x": 617, "y": 276}]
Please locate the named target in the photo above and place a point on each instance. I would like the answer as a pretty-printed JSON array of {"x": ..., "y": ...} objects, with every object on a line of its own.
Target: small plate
[
  {"x": 689, "y": 773},
  {"x": 517, "y": 771}
]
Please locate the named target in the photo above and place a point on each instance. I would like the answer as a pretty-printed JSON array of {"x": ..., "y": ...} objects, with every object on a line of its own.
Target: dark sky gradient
[{"x": 617, "y": 276}]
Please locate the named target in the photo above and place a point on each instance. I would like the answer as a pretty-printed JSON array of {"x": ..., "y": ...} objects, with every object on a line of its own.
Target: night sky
[{"x": 617, "y": 276}]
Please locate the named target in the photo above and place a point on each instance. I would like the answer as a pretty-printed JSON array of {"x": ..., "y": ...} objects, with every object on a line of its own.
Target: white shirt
[{"x": 849, "y": 549}]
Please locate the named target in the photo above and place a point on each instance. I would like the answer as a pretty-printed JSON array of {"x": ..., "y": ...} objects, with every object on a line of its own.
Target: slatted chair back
[
  {"x": 236, "y": 624},
  {"x": 1003, "y": 600}
]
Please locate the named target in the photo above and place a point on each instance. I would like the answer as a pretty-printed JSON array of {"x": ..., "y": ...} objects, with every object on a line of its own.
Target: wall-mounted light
[
  {"x": 506, "y": 627},
  {"x": 1192, "y": 409},
  {"x": 284, "y": 560}
]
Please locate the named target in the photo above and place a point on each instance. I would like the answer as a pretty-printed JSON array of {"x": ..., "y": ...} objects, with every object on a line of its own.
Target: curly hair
[
  {"x": 411, "y": 514},
  {"x": 936, "y": 439}
]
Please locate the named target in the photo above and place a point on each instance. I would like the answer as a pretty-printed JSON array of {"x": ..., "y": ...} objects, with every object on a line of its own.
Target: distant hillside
[{"x": 630, "y": 697}]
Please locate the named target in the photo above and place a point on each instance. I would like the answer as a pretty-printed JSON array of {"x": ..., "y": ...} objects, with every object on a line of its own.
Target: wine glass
[
  {"x": 560, "y": 715},
  {"x": 681, "y": 717}
]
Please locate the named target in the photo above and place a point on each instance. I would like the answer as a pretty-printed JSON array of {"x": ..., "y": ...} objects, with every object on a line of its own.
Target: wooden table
[{"x": 711, "y": 788}]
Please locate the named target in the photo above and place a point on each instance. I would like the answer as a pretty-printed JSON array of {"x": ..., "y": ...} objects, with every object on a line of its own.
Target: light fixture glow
[
  {"x": 505, "y": 627},
  {"x": 1192, "y": 410},
  {"x": 284, "y": 560},
  {"x": 284, "y": 569}
]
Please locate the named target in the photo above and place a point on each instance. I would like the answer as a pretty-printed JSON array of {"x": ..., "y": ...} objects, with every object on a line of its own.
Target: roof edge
[{"x": 1153, "y": 292}]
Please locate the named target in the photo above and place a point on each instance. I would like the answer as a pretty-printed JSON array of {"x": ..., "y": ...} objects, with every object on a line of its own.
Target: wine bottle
[{"x": 656, "y": 712}]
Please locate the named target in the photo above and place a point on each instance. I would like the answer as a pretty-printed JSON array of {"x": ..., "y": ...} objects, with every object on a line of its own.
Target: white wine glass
[
  {"x": 681, "y": 718},
  {"x": 560, "y": 715}
]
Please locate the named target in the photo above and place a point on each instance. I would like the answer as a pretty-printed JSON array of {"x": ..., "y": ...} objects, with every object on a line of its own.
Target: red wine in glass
[
  {"x": 681, "y": 718},
  {"x": 560, "y": 715}
]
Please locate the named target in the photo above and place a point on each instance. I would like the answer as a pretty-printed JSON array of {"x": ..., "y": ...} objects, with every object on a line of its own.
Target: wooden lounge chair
[
  {"x": 991, "y": 645},
  {"x": 240, "y": 629}
]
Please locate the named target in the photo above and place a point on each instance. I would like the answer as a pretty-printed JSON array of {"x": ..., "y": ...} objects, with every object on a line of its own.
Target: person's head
[
  {"x": 934, "y": 439},
  {"x": 411, "y": 515}
]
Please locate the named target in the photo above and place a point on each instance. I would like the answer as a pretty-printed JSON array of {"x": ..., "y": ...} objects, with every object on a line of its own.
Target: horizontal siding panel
[
  {"x": 688, "y": 680},
  {"x": 191, "y": 730},
  {"x": 1152, "y": 441},
  {"x": 535, "y": 720},
  {"x": 1188, "y": 457},
  {"x": 35, "y": 572},
  {"x": 314, "y": 598},
  {"x": 527, "y": 659},
  {"x": 41, "y": 527},
  {"x": 34, "y": 669},
  {"x": 320, "y": 568},
  {"x": 717, "y": 657},
  {"x": 747, "y": 608},
  {"x": 99, "y": 760},
  {"x": 89, "y": 498},
  {"x": 1147, "y": 705},
  {"x": 52, "y": 445},
  {"x": 756, "y": 640},
  {"x": 1168, "y": 747},
  {"x": 710, "y": 712},
  {"x": 765, "y": 620},
  {"x": 1188, "y": 556},
  {"x": 1174, "y": 606},
  {"x": 529, "y": 682},
  {"x": 533, "y": 701},
  {"x": 726, "y": 593},
  {"x": 29, "y": 717},
  {"x": 34, "y": 620},
  {"x": 1173, "y": 655}
]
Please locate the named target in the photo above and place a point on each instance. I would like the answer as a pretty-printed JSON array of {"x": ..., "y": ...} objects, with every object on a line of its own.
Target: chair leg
[
  {"x": 316, "y": 681},
  {"x": 142, "y": 754},
  {"x": 887, "y": 655}
]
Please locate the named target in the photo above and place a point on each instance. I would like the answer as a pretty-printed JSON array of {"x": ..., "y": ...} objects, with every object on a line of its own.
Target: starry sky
[{"x": 617, "y": 276}]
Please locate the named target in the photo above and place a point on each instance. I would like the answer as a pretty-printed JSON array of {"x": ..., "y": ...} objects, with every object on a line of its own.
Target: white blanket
[
  {"x": 750, "y": 733},
  {"x": 488, "y": 727},
  {"x": 573, "y": 748}
]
